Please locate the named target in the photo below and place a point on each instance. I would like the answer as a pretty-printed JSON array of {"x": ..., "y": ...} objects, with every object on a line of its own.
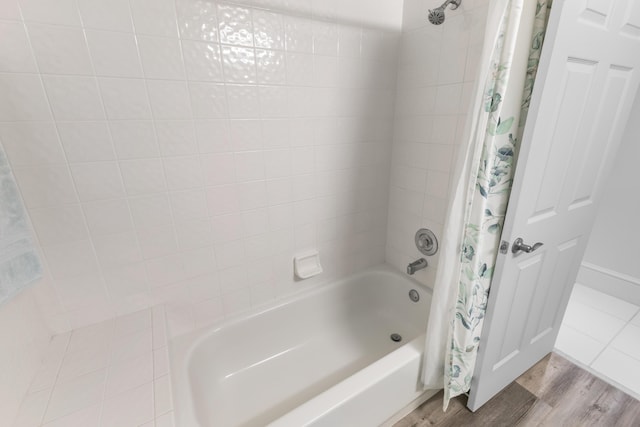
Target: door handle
[{"x": 519, "y": 245}]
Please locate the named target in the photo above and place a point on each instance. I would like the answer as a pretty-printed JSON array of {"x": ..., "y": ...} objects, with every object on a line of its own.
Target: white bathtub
[{"x": 322, "y": 358}]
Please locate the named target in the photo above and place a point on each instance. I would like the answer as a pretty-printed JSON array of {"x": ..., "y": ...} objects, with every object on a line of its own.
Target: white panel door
[{"x": 589, "y": 75}]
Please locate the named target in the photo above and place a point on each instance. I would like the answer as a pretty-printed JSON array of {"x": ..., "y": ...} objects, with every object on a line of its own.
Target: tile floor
[
  {"x": 602, "y": 334},
  {"x": 112, "y": 374}
]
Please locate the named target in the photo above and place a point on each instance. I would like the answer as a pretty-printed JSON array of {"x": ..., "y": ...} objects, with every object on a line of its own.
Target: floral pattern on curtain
[{"x": 488, "y": 195}]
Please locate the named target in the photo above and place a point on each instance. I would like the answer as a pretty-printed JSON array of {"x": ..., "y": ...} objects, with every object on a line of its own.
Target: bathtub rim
[{"x": 182, "y": 347}]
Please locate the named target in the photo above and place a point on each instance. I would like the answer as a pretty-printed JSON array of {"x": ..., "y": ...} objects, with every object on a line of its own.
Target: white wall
[
  {"x": 612, "y": 260},
  {"x": 184, "y": 151},
  {"x": 436, "y": 72},
  {"x": 24, "y": 337}
]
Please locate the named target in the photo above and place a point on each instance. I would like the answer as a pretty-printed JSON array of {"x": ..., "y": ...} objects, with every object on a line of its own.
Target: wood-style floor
[{"x": 554, "y": 392}]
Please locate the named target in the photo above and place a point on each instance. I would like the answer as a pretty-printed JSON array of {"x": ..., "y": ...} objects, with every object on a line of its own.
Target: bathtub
[{"x": 320, "y": 358}]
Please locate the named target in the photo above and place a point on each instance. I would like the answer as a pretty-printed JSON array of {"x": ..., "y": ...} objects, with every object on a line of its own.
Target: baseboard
[{"x": 610, "y": 282}]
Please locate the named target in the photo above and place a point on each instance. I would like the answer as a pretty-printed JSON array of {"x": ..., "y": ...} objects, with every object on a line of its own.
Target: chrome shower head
[{"x": 436, "y": 16}]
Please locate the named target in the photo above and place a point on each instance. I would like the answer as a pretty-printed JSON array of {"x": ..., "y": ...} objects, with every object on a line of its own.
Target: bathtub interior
[{"x": 255, "y": 369}]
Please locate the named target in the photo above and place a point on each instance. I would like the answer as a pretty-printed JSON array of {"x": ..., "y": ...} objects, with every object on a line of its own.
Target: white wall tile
[
  {"x": 268, "y": 30},
  {"x": 108, "y": 216},
  {"x": 239, "y": 64},
  {"x": 143, "y": 176},
  {"x": 250, "y": 166},
  {"x": 176, "y": 138},
  {"x": 86, "y": 141},
  {"x": 134, "y": 139},
  {"x": 197, "y": 20},
  {"x": 114, "y": 54},
  {"x": 219, "y": 169},
  {"x": 298, "y": 34},
  {"x": 243, "y": 101},
  {"x": 14, "y": 49},
  {"x": 74, "y": 98},
  {"x": 208, "y": 100},
  {"x": 125, "y": 98},
  {"x": 235, "y": 25},
  {"x": 63, "y": 12},
  {"x": 190, "y": 204},
  {"x": 31, "y": 143},
  {"x": 183, "y": 173},
  {"x": 203, "y": 61},
  {"x": 95, "y": 181},
  {"x": 115, "y": 16},
  {"x": 154, "y": 17},
  {"x": 60, "y": 50},
  {"x": 169, "y": 99},
  {"x": 161, "y": 58},
  {"x": 213, "y": 136},
  {"x": 71, "y": 259},
  {"x": 45, "y": 185},
  {"x": 9, "y": 9},
  {"x": 59, "y": 224},
  {"x": 150, "y": 211},
  {"x": 223, "y": 200},
  {"x": 117, "y": 249},
  {"x": 23, "y": 98}
]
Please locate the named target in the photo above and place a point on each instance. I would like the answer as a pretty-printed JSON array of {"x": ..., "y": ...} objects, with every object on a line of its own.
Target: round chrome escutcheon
[{"x": 426, "y": 242}]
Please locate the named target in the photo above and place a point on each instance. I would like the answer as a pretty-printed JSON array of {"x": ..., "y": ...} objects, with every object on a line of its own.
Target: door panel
[{"x": 588, "y": 78}]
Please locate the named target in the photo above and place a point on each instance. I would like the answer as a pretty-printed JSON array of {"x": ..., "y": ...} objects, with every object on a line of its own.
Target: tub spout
[{"x": 416, "y": 265}]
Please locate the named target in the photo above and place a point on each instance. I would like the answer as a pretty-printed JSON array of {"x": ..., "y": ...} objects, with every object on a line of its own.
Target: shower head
[{"x": 436, "y": 16}]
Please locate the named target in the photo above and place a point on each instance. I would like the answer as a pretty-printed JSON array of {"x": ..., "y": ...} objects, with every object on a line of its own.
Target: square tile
[
  {"x": 628, "y": 341},
  {"x": 235, "y": 25},
  {"x": 31, "y": 143},
  {"x": 619, "y": 367},
  {"x": 578, "y": 346},
  {"x": 86, "y": 141},
  {"x": 203, "y": 61},
  {"x": 97, "y": 181},
  {"x": 114, "y": 16},
  {"x": 74, "y": 97},
  {"x": 133, "y": 407},
  {"x": 125, "y": 99},
  {"x": 134, "y": 139},
  {"x": 60, "y": 50},
  {"x": 14, "y": 49},
  {"x": 197, "y": 20},
  {"x": 154, "y": 17},
  {"x": 23, "y": 97},
  {"x": 169, "y": 99},
  {"x": 594, "y": 323},
  {"x": 63, "y": 12},
  {"x": 74, "y": 395},
  {"x": 114, "y": 54},
  {"x": 161, "y": 58}
]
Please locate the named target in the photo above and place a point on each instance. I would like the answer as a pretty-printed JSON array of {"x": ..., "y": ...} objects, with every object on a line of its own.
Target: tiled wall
[
  {"x": 184, "y": 151},
  {"x": 436, "y": 72},
  {"x": 24, "y": 337}
]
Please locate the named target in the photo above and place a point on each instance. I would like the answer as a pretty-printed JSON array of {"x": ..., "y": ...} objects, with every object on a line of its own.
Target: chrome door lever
[{"x": 519, "y": 245}]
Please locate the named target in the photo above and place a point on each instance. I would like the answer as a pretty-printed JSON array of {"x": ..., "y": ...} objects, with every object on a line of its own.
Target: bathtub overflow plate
[
  {"x": 396, "y": 337},
  {"x": 414, "y": 295}
]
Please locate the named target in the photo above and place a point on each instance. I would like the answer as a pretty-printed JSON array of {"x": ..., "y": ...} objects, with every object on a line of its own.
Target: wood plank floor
[{"x": 554, "y": 392}]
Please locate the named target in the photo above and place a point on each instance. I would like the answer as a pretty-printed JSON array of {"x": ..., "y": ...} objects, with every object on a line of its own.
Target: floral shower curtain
[{"x": 515, "y": 33}]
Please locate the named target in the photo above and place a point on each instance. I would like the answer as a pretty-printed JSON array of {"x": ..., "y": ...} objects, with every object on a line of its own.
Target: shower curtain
[{"x": 471, "y": 238}]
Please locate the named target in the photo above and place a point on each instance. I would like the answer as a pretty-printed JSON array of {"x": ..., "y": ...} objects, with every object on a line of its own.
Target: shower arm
[{"x": 454, "y": 4}]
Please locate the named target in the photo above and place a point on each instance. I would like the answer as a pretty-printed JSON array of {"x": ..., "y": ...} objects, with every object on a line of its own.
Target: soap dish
[{"x": 307, "y": 265}]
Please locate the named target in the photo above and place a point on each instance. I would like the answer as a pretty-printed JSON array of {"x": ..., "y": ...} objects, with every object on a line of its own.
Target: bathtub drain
[{"x": 396, "y": 337}]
